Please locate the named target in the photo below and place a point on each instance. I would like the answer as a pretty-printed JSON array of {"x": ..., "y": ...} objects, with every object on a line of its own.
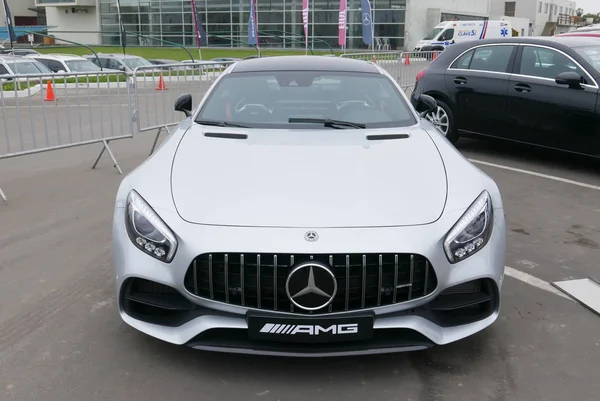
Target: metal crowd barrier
[
  {"x": 46, "y": 112},
  {"x": 403, "y": 66},
  {"x": 155, "y": 89}
]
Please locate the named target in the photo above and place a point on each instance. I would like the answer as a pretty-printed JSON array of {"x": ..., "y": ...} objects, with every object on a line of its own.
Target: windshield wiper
[
  {"x": 327, "y": 122},
  {"x": 220, "y": 123}
]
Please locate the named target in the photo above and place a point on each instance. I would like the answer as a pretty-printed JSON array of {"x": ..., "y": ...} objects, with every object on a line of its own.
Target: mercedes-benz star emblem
[
  {"x": 366, "y": 19},
  {"x": 311, "y": 286},
  {"x": 311, "y": 236}
]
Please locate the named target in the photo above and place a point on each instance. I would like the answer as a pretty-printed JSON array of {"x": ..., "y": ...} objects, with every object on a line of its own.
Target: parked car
[
  {"x": 18, "y": 52},
  {"x": 389, "y": 241},
  {"x": 590, "y": 34},
  {"x": 226, "y": 61},
  {"x": 23, "y": 66},
  {"x": 64, "y": 63},
  {"x": 540, "y": 91},
  {"x": 173, "y": 63},
  {"x": 120, "y": 62}
]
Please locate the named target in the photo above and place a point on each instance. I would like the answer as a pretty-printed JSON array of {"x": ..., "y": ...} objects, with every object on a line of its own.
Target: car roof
[
  {"x": 117, "y": 56},
  {"x": 62, "y": 57},
  {"x": 304, "y": 63},
  {"x": 16, "y": 59},
  {"x": 563, "y": 43},
  {"x": 593, "y": 34}
]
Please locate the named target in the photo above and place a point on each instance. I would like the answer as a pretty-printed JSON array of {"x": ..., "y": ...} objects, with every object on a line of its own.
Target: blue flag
[
  {"x": 9, "y": 24},
  {"x": 367, "y": 22},
  {"x": 201, "y": 39},
  {"x": 252, "y": 31}
]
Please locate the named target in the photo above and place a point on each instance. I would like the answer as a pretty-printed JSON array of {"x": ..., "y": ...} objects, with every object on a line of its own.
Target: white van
[{"x": 450, "y": 32}]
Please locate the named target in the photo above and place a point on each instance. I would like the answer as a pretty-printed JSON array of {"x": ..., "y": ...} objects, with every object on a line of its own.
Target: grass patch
[
  {"x": 174, "y": 53},
  {"x": 18, "y": 86}
]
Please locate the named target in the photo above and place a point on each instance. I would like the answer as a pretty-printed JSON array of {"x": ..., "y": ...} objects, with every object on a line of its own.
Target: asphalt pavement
[{"x": 62, "y": 339}]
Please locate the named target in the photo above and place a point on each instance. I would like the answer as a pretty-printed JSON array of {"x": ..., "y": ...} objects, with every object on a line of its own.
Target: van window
[
  {"x": 433, "y": 33},
  {"x": 447, "y": 35}
]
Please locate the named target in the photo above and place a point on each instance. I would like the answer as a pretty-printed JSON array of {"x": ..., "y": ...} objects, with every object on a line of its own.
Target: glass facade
[{"x": 226, "y": 22}]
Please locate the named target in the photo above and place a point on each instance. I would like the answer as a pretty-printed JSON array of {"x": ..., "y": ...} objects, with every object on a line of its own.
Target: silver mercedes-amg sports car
[{"x": 305, "y": 208}]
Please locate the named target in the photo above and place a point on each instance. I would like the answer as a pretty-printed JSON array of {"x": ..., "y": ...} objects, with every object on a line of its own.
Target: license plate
[{"x": 310, "y": 329}]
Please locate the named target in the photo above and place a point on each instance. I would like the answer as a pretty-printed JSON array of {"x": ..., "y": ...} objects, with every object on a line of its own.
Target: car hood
[{"x": 312, "y": 178}]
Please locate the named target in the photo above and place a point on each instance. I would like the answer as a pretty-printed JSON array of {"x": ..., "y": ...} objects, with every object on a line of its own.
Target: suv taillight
[{"x": 421, "y": 74}]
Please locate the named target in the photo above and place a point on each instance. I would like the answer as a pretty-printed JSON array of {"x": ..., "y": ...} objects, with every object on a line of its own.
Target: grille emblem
[
  {"x": 311, "y": 236},
  {"x": 311, "y": 286}
]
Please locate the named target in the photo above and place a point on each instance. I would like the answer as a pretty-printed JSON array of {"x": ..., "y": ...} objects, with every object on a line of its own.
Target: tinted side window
[
  {"x": 486, "y": 58},
  {"x": 546, "y": 63},
  {"x": 3, "y": 70},
  {"x": 113, "y": 64},
  {"x": 55, "y": 66},
  {"x": 43, "y": 61},
  {"x": 447, "y": 35}
]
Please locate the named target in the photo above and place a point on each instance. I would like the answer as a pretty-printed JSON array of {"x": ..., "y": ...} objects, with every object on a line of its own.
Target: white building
[
  {"x": 423, "y": 15},
  {"x": 24, "y": 13},
  {"x": 75, "y": 20},
  {"x": 547, "y": 17}
]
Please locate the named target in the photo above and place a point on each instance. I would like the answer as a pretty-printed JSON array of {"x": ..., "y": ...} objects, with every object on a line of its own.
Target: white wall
[
  {"x": 18, "y": 8},
  {"x": 521, "y": 25},
  {"x": 423, "y": 15},
  {"x": 531, "y": 9},
  {"x": 83, "y": 27}
]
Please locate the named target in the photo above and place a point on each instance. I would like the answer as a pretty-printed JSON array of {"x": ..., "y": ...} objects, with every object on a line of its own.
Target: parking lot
[{"x": 62, "y": 339}]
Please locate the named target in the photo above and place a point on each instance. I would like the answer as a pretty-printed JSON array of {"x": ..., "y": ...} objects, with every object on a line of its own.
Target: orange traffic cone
[
  {"x": 434, "y": 56},
  {"x": 49, "y": 92},
  {"x": 161, "y": 84},
  {"x": 407, "y": 59}
]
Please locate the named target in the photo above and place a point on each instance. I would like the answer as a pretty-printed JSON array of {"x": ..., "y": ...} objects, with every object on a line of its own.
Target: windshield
[
  {"x": 28, "y": 67},
  {"x": 81, "y": 66},
  {"x": 434, "y": 33},
  {"x": 133, "y": 63},
  {"x": 281, "y": 99},
  {"x": 591, "y": 54}
]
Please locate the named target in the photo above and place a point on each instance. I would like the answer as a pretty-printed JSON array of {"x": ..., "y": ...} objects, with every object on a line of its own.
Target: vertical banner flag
[
  {"x": 252, "y": 25},
  {"x": 367, "y": 22},
  {"x": 305, "y": 20},
  {"x": 200, "y": 34},
  {"x": 121, "y": 26},
  {"x": 9, "y": 24},
  {"x": 342, "y": 23}
]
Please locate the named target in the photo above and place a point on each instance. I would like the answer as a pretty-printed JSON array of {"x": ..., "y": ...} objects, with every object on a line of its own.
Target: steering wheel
[
  {"x": 352, "y": 103},
  {"x": 254, "y": 108}
]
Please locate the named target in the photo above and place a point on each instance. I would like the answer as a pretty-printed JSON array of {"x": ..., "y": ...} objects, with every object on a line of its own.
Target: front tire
[{"x": 443, "y": 119}]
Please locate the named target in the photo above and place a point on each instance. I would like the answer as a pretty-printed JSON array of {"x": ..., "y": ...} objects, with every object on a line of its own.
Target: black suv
[{"x": 540, "y": 91}]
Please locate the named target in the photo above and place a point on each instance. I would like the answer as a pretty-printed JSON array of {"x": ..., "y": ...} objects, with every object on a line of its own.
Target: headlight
[
  {"x": 472, "y": 231},
  {"x": 147, "y": 231}
]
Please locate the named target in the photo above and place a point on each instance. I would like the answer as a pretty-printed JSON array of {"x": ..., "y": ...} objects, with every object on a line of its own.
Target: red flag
[{"x": 342, "y": 23}]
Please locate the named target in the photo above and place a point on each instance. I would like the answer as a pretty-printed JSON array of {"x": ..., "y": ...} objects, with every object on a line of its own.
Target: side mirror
[
  {"x": 426, "y": 104},
  {"x": 184, "y": 104},
  {"x": 570, "y": 78}
]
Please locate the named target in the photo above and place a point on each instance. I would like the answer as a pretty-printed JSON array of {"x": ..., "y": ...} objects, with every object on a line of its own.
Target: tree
[
  {"x": 595, "y": 17},
  {"x": 579, "y": 12}
]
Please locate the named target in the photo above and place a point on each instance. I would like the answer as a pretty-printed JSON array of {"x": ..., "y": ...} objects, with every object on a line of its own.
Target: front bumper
[{"x": 408, "y": 326}]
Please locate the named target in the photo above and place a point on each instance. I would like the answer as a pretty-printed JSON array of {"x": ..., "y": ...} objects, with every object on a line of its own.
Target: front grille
[{"x": 258, "y": 280}]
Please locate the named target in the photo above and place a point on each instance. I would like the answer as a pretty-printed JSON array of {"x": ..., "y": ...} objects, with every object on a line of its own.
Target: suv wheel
[{"x": 443, "y": 119}]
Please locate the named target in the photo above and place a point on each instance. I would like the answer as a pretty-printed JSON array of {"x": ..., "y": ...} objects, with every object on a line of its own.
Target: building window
[
  {"x": 539, "y": 7},
  {"x": 509, "y": 8},
  {"x": 226, "y": 23},
  {"x": 561, "y": 9},
  {"x": 545, "y": 8}
]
